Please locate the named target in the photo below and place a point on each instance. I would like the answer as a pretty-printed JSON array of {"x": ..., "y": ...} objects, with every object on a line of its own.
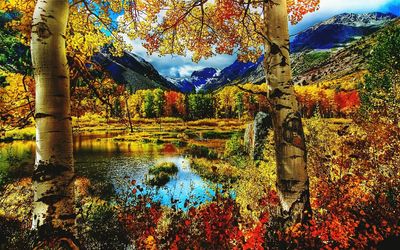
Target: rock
[
  {"x": 256, "y": 134},
  {"x": 249, "y": 138}
]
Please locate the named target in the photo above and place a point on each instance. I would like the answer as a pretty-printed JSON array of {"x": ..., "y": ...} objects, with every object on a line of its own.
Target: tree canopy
[{"x": 208, "y": 27}]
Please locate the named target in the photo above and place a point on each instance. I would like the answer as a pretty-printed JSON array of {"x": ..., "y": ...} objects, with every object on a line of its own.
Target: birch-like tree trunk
[
  {"x": 53, "y": 207},
  {"x": 292, "y": 178}
]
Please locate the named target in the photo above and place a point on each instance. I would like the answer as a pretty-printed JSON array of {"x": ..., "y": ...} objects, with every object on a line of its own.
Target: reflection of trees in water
[
  {"x": 16, "y": 161},
  {"x": 109, "y": 165}
]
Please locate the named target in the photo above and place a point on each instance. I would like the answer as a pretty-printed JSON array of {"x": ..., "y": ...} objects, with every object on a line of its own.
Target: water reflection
[{"x": 115, "y": 164}]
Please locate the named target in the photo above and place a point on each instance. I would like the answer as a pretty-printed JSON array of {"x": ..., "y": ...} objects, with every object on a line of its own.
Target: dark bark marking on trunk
[
  {"x": 41, "y": 115},
  {"x": 286, "y": 185},
  {"x": 67, "y": 216},
  {"x": 47, "y": 16},
  {"x": 275, "y": 49},
  {"x": 283, "y": 62},
  {"x": 42, "y": 30},
  {"x": 51, "y": 199},
  {"x": 277, "y": 93},
  {"x": 292, "y": 130},
  {"x": 291, "y": 217},
  {"x": 280, "y": 106},
  {"x": 295, "y": 156}
]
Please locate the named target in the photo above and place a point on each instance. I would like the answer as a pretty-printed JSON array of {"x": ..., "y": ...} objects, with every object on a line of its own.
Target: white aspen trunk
[
  {"x": 53, "y": 207},
  {"x": 292, "y": 178}
]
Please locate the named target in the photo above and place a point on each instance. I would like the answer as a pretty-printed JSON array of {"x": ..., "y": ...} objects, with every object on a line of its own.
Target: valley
[{"x": 135, "y": 158}]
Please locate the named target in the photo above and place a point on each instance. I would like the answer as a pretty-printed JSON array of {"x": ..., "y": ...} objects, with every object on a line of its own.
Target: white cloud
[{"x": 178, "y": 66}]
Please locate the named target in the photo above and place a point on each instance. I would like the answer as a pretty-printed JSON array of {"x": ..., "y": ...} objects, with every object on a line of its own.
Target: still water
[{"x": 113, "y": 165}]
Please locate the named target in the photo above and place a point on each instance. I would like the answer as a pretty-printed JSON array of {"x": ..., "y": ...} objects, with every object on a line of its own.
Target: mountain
[
  {"x": 210, "y": 78},
  {"x": 197, "y": 79},
  {"x": 328, "y": 49},
  {"x": 131, "y": 69},
  {"x": 312, "y": 50},
  {"x": 339, "y": 30}
]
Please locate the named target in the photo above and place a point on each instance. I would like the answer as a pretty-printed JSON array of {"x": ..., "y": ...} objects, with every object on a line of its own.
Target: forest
[{"x": 292, "y": 146}]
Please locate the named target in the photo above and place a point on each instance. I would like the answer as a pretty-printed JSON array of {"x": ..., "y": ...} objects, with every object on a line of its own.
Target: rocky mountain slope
[
  {"x": 131, "y": 69},
  {"x": 312, "y": 65},
  {"x": 331, "y": 49},
  {"x": 339, "y": 30}
]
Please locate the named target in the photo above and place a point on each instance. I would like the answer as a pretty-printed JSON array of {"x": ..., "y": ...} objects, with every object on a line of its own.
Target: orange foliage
[
  {"x": 329, "y": 102},
  {"x": 174, "y": 104}
]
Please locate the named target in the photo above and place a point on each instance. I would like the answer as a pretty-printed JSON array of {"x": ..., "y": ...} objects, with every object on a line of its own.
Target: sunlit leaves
[
  {"x": 298, "y": 8},
  {"x": 16, "y": 101},
  {"x": 209, "y": 27},
  {"x": 326, "y": 102}
]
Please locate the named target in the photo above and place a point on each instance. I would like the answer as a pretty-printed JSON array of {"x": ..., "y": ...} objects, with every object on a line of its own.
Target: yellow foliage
[
  {"x": 16, "y": 199},
  {"x": 255, "y": 182},
  {"x": 347, "y": 82}
]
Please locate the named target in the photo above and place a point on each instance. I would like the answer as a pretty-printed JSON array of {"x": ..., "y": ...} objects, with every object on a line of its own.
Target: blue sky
[{"x": 179, "y": 66}]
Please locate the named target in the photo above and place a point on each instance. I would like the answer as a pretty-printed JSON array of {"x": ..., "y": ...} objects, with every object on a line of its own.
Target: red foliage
[
  {"x": 338, "y": 104},
  {"x": 141, "y": 218},
  {"x": 347, "y": 101},
  {"x": 174, "y": 104}
]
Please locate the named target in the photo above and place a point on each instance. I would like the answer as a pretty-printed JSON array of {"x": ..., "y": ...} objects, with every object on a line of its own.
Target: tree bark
[
  {"x": 53, "y": 207},
  {"x": 292, "y": 178}
]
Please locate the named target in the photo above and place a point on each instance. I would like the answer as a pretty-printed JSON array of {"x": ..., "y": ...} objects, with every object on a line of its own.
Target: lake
[{"x": 113, "y": 165}]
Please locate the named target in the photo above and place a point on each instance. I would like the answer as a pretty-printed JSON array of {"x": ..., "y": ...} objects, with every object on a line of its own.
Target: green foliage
[
  {"x": 103, "y": 229},
  {"x": 311, "y": 59},
  {"x": 234, "y": 146},
  {"x": 158, "y": 102},
  {"x": 239, "y": 104},
  {"x": 13, "y": 164},
  {"x": 235, "y": 152},
  {"x": 380, "y": 92},
  {"x": 200, "y": 106},
  {"x": 160, "y": 173},
  {"x": 216, "y": 134},
  {"x": 159, "y": 179},
  {"x": 148, "y": 105},
  {"x": 215, "y": 170},
  {"x": 117, "y": 109},
  {"x": 166, "y": 167},
  {"x": 15, "y": 235},
  {"x": 14, "y": 56},
  {"x": 201, "y": 152}
]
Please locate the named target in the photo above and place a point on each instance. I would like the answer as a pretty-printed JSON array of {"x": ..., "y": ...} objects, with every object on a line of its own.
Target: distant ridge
[{"x": 339, "y": 30}]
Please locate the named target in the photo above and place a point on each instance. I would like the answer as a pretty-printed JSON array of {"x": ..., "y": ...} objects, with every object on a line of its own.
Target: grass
[
  {"x": 217, "y": 134},
  {"x": 27, "y": 133},
  {"x": 310, "y": 60},
  {"x": 161, "y": 173},
  {"x": 215, "y": 170},
  {"x": 159, "y": 180},
  {"x": 172, "y": 130},
  {"x": 201, "y": 151},
  {"x": 166, "y": 167}
]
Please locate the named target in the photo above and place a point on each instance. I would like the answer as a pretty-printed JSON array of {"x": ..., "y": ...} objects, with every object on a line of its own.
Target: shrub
[
  {"x": 216, "y": 135},
  {"x": 201, "y": 152},
  {"x": 104, "y": 230},
  {"x": 165, "y": 167},
  {"x": 234, "y": 146},
  {"x": 216, "y": 171}
]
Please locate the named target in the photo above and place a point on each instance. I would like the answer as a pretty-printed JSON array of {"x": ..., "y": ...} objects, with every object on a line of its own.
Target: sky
[{"x": 180, "y": 66}]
